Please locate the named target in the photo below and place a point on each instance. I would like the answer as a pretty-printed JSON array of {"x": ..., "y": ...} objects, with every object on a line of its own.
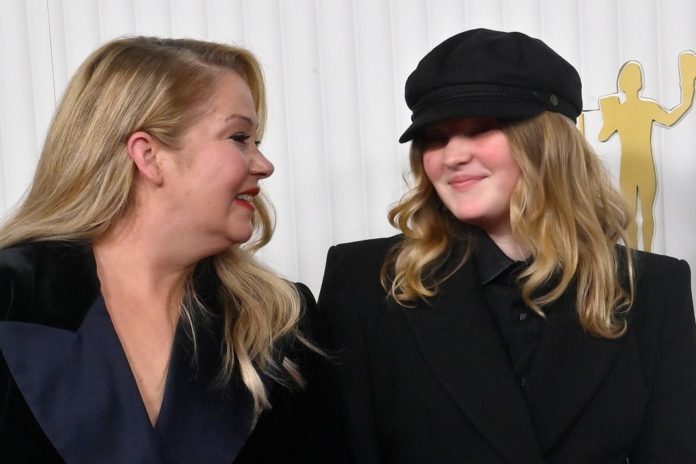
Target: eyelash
[{"x": 242, "y": 138}]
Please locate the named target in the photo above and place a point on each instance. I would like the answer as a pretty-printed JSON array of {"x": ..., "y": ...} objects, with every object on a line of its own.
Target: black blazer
[
  {"x": 434, "y": 383},
  {"x": 54, "y": 410}
]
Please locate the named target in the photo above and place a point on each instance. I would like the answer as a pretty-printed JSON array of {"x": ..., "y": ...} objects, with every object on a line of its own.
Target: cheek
[
  {"x": 231, "y": 168},
  {"x": 508, "y": 168},
  {"x": 513, "y": 174},
  {"x": 432, "y": 165},
  {"x": 501, "y": 159}
]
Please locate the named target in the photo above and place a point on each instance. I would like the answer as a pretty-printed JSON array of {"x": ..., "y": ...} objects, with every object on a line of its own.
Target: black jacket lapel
[
  {"x": 459, "y": 341},
  {"x": 567, "y": 370}
]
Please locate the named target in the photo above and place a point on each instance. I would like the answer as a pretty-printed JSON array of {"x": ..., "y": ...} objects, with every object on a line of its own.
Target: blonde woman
[
  {"x": 136, "y": 324},
  {"x": 505, "y": 324}
]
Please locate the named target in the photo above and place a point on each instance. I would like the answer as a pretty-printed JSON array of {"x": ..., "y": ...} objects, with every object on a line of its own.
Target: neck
[{"x": 137, "y": 270}]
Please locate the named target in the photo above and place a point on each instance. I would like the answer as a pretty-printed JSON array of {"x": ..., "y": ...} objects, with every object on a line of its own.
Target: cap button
[{"x": 553, "y": 99}]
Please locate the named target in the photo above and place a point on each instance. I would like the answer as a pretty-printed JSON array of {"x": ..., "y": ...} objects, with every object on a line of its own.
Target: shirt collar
[{"x": 490, "y": 260}]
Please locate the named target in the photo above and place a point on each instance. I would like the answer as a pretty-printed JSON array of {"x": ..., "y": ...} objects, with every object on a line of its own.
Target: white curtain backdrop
[{"x": 335, "y": 71}]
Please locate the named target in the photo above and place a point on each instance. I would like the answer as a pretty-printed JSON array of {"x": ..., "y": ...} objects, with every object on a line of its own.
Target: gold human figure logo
[{"x": 633, "y": 120}]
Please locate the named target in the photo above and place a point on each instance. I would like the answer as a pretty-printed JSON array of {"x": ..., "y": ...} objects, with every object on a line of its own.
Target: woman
[
  {"x": 135, "y": 327},
  {"x": 505, "y": 324}
]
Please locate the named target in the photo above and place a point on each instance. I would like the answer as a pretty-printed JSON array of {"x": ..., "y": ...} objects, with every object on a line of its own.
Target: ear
[{"x": 142, "y": 149}]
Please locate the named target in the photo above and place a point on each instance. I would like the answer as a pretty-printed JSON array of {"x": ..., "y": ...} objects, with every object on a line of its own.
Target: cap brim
[{"x": 504, "y": 108}]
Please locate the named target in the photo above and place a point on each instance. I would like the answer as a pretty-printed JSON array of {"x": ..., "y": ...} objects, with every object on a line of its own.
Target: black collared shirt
[{"x": 520, "y": 327}]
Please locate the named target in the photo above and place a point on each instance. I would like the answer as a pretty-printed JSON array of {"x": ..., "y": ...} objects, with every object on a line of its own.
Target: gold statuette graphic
[{"x": 633, "y": 120}]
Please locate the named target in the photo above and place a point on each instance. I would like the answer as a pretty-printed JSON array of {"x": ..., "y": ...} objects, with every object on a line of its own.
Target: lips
[
  {"x": 246, "y": 198},
  {"x": 464, "y": 181}
]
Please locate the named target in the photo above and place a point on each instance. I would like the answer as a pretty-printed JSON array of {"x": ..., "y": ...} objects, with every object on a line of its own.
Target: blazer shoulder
[
  {"x": 17, "y": 267},
  {"x": 17, "y": 258},
  {"x": 352, "y": 273},
  {"x": 662, "y": 290},
  {"x": 47, "y": 282},
  {"x": 371, "y": 244},
  {"x": 646, "y": 258},
  {"x": 660, "y": 271},
  {"x": 363, "y": 253}
]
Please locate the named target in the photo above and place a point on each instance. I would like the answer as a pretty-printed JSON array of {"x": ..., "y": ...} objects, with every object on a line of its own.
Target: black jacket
[
  {"x": 434, "y": 384},
  {"x": 53, "y": 408}
]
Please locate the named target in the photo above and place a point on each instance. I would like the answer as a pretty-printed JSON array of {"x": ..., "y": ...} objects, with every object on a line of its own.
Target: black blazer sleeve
[
  {"x": 342, "y": 332},
  {"x": 668, "y": 433}
]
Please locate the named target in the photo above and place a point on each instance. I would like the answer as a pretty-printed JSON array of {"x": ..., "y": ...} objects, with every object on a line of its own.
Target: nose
[
  {"x": 458, "y": 150},
  {"x": 260, "y": 165}
]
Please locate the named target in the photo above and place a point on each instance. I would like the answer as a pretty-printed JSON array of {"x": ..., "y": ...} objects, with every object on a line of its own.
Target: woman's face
[
  {"x": 471, "y": 165},
  {"x": 214, "y": 175}
]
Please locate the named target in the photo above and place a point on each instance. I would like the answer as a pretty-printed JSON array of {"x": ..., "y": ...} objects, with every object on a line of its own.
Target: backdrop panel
[{"x": 335, "y": 73}]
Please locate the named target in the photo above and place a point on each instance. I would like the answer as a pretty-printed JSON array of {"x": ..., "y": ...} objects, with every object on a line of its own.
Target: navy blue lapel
[
  {"x": 201, "y": 422},
  {"x": 568, "y": 369},
  {"x": 459, "y": 340},
  {"x": 80, "y": 389},
  {"x": 66, "y": 359}
]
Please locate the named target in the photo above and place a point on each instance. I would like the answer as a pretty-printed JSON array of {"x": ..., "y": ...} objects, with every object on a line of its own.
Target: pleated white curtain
[{"x": 335, "y": 71}]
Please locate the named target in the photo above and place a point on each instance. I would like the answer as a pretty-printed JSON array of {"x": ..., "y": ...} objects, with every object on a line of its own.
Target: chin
[
  {"x": 469, "y": 218},
  {"x": 236, "y": 232},
  {"x": 240, "y": 238},
  {"x": 224, "y": 242}
]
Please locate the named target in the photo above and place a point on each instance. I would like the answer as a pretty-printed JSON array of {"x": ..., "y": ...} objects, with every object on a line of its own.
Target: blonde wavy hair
[
  {"x": 84, "y": 179},
  {"x": 564, "y": 210}
]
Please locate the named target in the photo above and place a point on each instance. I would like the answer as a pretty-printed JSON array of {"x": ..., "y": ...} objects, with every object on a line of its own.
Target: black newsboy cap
[{"x": 481, "y": 72}]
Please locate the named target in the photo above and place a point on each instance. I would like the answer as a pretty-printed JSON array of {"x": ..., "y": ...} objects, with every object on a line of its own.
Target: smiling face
[
  {"x": 471, "y": 166},
  {"x": 213, "y": 176}
]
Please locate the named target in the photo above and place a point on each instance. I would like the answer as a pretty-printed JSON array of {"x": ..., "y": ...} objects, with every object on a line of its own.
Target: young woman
[
  {"x": 134, "y": 325},
  {"x": 505, "y": 324}
]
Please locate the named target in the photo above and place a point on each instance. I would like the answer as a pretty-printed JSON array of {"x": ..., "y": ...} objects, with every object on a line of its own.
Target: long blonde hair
[
  {"x": 564, "y": 210},
  {"x": 84, "y": 179}
]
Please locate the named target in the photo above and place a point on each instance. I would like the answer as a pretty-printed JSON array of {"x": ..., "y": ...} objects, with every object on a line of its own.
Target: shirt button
[{"x": 522, "y": 317}]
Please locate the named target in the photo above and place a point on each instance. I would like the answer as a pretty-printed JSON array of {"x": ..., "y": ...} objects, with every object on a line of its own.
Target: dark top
[
  {"x": 67, "y": 393},
  {"x": 520, "y": 327}
]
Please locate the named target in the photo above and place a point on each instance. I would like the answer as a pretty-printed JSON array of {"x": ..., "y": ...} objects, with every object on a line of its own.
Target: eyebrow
[{"x": 244, "y": 118}]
